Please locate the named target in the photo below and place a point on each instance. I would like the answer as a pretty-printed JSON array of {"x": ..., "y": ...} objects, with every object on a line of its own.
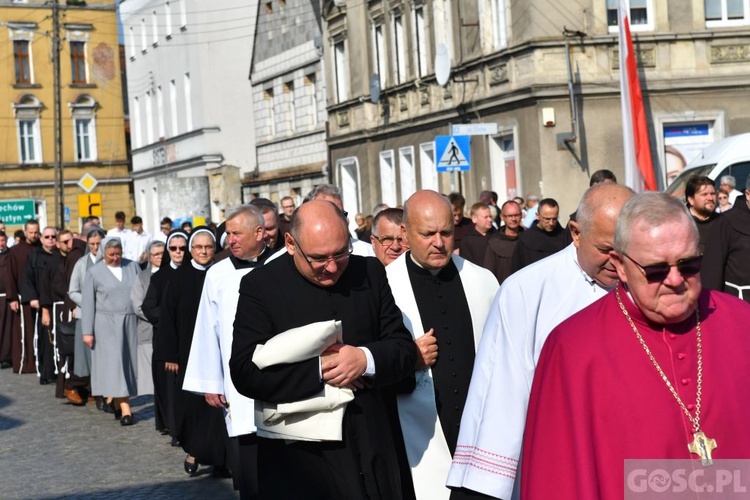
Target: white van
[{"x": 730, "y": 156}]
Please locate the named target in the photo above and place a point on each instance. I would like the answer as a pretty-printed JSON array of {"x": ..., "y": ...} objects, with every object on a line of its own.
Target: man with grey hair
[
  {"x": 727, "y": 262},
  {"x": 625, "y": 377},
  {"x": 528, "y": 306},
  {"x": 331, "y": 193},
  {"x": 207, "y": 369},
  {"x": 387, "y": 242},
  {"x": 728, "y": 183}
]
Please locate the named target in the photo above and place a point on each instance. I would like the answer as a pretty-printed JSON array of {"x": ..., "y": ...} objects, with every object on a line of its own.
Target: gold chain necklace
[{"x": 701, "y": 445}]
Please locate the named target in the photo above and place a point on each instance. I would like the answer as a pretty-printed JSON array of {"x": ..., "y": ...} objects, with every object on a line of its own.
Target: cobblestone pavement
[{"x": 51, "y": 449}]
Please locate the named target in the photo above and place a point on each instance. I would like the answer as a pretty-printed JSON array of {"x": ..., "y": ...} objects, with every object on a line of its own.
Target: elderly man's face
[
  {"x": 388, "y": 244},
  {"x": 244, "y": 237},
  {"x": 430, "y": 234},
  {"x": 48, "y": 239},
  {"x": 594, "y": 247},
  {"x": 672, "y": 299}
]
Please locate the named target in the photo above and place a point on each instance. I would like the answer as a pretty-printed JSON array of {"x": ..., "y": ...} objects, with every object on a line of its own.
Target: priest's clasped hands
[{"x": 343, "y": 366}]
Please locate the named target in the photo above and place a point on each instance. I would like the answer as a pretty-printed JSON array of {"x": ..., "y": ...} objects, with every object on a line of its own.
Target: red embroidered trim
[
  {"x": 465, "y": 447},
  {"x": 492, "y": 464},
  {"x": 484, "y": 469}
]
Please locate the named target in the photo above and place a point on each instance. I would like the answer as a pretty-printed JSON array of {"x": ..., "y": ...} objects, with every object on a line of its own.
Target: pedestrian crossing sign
[{"x": 453, "y": 152}]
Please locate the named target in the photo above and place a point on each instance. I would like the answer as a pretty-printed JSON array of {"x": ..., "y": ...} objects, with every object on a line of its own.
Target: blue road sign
[{"x": 453, "y": 153}]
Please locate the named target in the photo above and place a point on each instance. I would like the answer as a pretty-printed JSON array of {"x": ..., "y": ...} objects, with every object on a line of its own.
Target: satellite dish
[
  {"x": 375, "y": 88},
  {"x": 442, "y": 64}
]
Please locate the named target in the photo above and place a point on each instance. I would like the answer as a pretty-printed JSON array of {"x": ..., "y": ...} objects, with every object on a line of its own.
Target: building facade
[
  {"x": 92, "y": 141},
  {"x": 288, "y": 82},
  {"x": 191, "y": 107},
  {"x": 546, "y": 73}
]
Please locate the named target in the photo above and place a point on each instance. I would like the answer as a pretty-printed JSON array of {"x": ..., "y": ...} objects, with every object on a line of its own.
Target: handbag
[{"x": 66, "y": 333}]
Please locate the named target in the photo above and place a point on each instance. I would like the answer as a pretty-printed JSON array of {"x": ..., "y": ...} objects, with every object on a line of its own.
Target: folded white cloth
[{"x": 318, "y": 418}]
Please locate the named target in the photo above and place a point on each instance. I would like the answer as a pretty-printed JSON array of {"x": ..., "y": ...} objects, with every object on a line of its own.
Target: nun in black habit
[
  {"x": 176, "y": 254},
  {"x": 197, "y": 426}
]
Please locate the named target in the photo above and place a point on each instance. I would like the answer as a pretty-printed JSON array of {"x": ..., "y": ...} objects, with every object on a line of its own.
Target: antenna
[
  {"x": 442, "y": 64},
  {"x": 374, "y": 88}
]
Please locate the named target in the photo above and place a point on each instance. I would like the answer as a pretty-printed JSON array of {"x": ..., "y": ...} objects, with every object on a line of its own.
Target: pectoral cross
[{"x": 702, "y": 446}]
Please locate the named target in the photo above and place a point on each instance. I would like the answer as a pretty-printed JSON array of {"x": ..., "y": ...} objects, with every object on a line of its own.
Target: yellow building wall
[{"x": 104, "y": 85}]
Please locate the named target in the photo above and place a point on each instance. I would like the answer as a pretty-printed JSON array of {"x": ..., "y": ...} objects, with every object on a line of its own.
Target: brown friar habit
[
  {"x": 22, "y": 322},
  {"x": 499, "y": 253},
  {"x": 364, "y": 464},
  {"x": 474, "y": 246},
  {"x": 5, "y": 312}
]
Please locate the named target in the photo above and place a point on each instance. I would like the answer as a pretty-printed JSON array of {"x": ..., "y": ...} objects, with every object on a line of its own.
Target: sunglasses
[
  {"x": 659, "y": 272},
  {"x": 66, "y": 241},
  {"x": 48, "y": 236},
  {"x": 180, "y": 248}
]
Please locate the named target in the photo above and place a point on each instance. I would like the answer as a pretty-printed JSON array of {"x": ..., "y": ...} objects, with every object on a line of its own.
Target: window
[
  {"x": 387, "y": 179},
  {"x": 27, "y": 134},
  {"x": 349, "y": 181},
  {"x": 155, "y": 27},
  {"x": 406, "y": 172},
  {"x": 722, "y": 13},
  {"x": 160, "y": 111},
  {"x": 381, "y": 67},
  {"x": 135, "y": 112},
  {"x": 173, "y": 107},
  {"x": 22, "y": 61},
  {"x": 312, "y": 91},
  {"x": 271, "y": 114},
  {"x": 291, "y": 109},
  {"x": 641, "y": 15},
  {"x": 183, "y": 15},
  {"x": 78, "y": 62},
  {"x": 188, "y": 103},
  {"x": 84, "y": 150},
  {"x": 399, "y": 49},
  {"x": 131, "y": 42},
  {"x": 340, "y": 71},
  {"x": 499, "y": 31},
  {"x": 28, "y": 110},
  {"x": 143, "y": 36},
  {"x": 149, "y": 118},
  {"x": 168, "y": 20},
  {"x": 427, "y": 169},
  {"x": 420, "y": 40}
]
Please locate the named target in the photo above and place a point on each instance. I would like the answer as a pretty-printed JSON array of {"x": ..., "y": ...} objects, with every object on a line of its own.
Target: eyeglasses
[
  {"x": 287, "y": 206},
  {"x": 321, "y": 263},
  {"x": 66, "y": 241},
  {"x": 48, "y": 236},
  {"x": 160, "y": 254},
  {"x": 387, "y": 241},
  {"x": 659, "y": 272},
  {"x": 181, "y": 248},
  {"x": 201, "y": 248}
]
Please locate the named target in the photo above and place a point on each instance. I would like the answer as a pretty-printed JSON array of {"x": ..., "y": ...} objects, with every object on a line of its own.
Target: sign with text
[
  {"x": 16, "y": 212},
  {"x": 475, "y": 129},
  {"x": 90, "y": 204}
]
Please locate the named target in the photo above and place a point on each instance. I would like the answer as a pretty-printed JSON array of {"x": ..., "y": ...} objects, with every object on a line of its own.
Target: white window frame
[
  {"x": 649, "y": 26},
  {"x": 24, "y": 35},
  {"x": 183, "y": 15},
  {"x": 291, "y": 105},
  {"x": 188, "y": 102},
  {"x": 175, "y": 125},
  {"x": 388, "y": 178},
  {"x": 420, "y": 40},
  {"x": 91, "y": 137},
  {"x": 399, "y": 48},
  {"x": 379, "y": 55},
  {"x": 155, "y": 28},
  {"x": 499, "y": 24},
  {"x": 313, "y": 93},
  {"x": 341, "y": 71},
  {"x": 351, "y": 192},
  {"x": 144, "y": 36},
  {"x": 269, "y": 96},
  {"x": 135, "y": 119},
  {"x": 131, "y": 41},
  {"x": 725, "y": 22},
  {"x": 428, "y": 173},
  {"x": 35, "y": 140},
  {"x": 160, "y": 112},
  {"x": 168, "y": 20},
  {"x": 407, "y": 172},
  {"x": 149, "y": 118}
]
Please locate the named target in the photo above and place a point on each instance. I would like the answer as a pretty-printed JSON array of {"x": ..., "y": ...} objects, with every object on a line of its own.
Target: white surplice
[
  {"x": 208, "y": 364},
  {"x": 426, "y": 447},
  {"x": 530, "y": 303}
]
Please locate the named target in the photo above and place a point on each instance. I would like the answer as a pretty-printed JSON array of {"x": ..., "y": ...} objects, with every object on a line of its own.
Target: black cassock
[
  {"x": 198, "y": 426},
  {"x": 276, "y": 298}
]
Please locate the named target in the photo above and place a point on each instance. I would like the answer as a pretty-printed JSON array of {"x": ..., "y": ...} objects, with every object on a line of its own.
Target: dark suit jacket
[{"x": 277, "y": 297}]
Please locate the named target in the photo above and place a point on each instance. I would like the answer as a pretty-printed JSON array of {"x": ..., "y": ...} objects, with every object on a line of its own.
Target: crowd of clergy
[{"x": 415, "y": 356}]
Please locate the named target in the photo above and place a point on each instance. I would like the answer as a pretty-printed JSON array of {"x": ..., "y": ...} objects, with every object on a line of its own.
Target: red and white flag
[{"x": 639, "y": 169}]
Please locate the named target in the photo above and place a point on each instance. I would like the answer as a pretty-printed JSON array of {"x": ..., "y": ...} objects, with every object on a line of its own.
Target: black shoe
[
  {"x": 221, "y": 471},
  {"x": 100, "y": 404},
  {"x": 175, "y": 442},
  {"x": 164, "y": 431},
  {"x": 45, "y": 381},
  {"x": 191, "y": 468},
  {"x": 127, "y": 420},
  {"x": 110, "y": 408},
  {"x": 5, "y": 365}
]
